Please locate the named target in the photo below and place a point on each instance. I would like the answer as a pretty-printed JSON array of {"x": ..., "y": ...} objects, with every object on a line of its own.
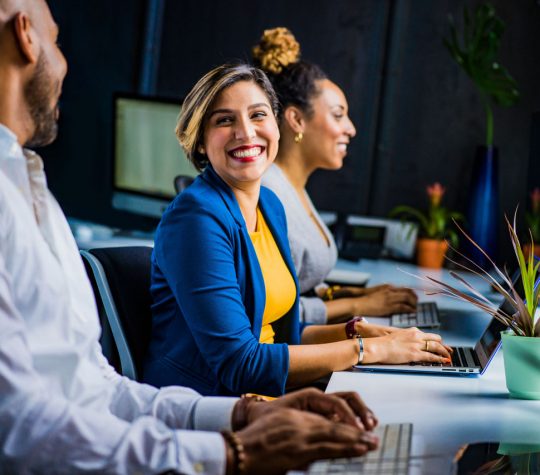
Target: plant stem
[{"x": 489, "y": 120}]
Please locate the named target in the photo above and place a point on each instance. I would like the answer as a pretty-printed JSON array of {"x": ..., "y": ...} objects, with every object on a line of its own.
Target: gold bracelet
[
  {"x": 239, "y": 465},
  {"x": 330, "y": 291}
]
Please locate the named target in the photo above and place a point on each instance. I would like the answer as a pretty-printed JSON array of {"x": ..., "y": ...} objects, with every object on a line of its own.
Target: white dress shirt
[{"x": 63, "y": 408}]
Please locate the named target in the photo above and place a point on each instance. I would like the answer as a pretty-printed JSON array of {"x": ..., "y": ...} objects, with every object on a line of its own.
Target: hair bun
[{"x": 276, "y": 50}]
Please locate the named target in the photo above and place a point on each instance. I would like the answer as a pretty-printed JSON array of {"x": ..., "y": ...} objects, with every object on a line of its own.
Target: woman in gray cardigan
[{"x": 315, "y": 132}]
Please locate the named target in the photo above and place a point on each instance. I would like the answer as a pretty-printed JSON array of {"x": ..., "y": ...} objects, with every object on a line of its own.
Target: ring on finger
[{"x": 427, "y": 345}]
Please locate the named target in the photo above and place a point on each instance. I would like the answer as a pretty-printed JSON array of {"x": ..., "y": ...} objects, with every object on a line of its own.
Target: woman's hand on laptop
[
  {"x": 370, "y": 330},
  {"x": 406, "y": 346}
]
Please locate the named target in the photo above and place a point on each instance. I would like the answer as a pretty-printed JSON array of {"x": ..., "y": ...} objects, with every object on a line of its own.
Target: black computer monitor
[{"x": 147, "y": 156}]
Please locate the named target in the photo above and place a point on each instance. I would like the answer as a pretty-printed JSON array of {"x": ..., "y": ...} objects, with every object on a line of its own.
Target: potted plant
[
  {"x": 521, "y": 343},
  {"x": 532, "y": 219},
  {"x": 475, "y": 50},
  {"x": 432, "y": 246}
]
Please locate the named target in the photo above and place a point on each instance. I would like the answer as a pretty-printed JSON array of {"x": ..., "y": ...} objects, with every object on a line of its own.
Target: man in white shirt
[{"x": 63, "y": 409}]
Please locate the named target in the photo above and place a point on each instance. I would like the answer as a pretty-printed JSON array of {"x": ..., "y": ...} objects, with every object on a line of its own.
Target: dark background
[{"x": 418, "y": 116}]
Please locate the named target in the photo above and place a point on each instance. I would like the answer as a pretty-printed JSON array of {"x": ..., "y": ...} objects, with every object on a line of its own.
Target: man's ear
[
  {"x": 26, "y": 37},
  {"x": 295, "y": 118}
]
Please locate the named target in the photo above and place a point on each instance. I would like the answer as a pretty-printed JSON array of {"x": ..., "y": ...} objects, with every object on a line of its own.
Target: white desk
[{"x": 447, "y": 411}]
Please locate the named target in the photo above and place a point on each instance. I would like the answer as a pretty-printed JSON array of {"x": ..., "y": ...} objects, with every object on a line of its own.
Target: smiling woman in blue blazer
[
  {"x": 225, "y": 293},
  {"x": 222, "y": 289}
]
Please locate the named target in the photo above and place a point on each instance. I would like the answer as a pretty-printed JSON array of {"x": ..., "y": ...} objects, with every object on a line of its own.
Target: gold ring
[{"x": 427, "y": 345}]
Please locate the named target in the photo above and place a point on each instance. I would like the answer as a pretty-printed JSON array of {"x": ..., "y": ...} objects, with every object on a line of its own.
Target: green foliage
[
  {"x": 522, "y": 321},
  {"x": 476, "y": 52},
  {"x": 437, "y": 222},
  {"x": 529, "y": 269},
  {"x": 533, "y": 222}
]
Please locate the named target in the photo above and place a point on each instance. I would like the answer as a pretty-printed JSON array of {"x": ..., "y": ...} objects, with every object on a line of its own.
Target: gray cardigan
[{"x": 312, "y": 257}]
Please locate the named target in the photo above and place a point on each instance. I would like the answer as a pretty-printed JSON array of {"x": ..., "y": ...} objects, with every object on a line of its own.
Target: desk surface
[{"x": 447, "y": 411}]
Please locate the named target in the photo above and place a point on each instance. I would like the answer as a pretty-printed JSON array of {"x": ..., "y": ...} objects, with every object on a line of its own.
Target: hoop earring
[{"x": 298, "y": 137}]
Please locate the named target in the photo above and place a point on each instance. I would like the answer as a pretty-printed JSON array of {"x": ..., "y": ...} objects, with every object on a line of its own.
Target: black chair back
[
  {"x": 127, "y": 272},
  {"x": 181, "y": 182}
]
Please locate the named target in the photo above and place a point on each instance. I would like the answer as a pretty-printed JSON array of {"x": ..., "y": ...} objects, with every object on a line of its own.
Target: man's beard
[{"x": 39, "y": 92}]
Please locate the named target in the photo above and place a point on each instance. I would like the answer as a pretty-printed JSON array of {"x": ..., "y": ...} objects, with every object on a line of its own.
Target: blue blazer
[{"x": 209, "y": 296}]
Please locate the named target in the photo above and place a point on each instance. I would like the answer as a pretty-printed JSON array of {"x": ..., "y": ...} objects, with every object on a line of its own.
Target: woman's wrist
[
  {"x": 361, "y": 327},
  {"x": 354, "y": 327},
  {"x": 351, "y": 328},
  {"x": 330, "y": 292},
  {"x": 356, "y": 305},
  {"x": 373, "y": 350}
]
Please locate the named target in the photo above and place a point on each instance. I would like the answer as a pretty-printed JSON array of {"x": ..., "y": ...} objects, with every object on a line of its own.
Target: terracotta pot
[
  {"x": 430, "y": 252},
  {"x": 527, "y": 249}
]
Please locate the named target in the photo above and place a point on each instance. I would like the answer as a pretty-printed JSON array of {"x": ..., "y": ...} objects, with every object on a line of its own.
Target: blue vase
[{"x": 483, "y": 212}]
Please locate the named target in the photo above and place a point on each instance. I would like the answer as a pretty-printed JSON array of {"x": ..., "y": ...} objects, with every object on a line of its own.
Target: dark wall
[
  {"x": 418, "y": 117},
  {"x": 101, "y": 41}
]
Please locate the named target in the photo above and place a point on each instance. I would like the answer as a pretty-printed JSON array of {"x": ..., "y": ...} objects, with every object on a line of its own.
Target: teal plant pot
[{"x": 522, "y": 365}]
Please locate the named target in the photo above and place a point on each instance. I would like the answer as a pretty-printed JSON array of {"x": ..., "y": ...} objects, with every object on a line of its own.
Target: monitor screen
[{"x": 147, "y": 156}]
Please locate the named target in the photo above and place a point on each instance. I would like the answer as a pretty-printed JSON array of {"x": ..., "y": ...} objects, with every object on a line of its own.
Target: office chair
[
  {"x": 121, "y": 280},
  {"x": 181, "y": 182}
]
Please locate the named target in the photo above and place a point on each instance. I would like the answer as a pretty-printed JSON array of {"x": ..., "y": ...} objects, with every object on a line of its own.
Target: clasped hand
[{"x": 299, "y": 428}]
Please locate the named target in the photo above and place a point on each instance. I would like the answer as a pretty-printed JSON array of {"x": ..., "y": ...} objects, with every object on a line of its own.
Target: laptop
[
  {"x": 392, "y": 457},
  {"x": 426, "y": 316},
  {"x": 466, "y": 361}
]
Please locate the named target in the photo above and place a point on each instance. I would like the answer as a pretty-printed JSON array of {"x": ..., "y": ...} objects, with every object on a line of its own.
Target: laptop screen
[{"x": 491, "y": 338}]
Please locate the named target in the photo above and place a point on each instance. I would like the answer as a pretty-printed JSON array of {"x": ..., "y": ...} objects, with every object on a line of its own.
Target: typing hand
[
  {"x": 346, "y": 407},
  {"x": 369, "y": 330},
  {"x": 288, "y": 439},
  {"x": 406, "y": 346},
  {"x": 386, "y": 300}
]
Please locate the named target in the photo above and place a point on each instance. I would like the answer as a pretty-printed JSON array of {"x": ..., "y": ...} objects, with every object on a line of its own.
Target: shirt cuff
[
  {"x": 313, "y": 310},
  {"x": 201, "y": 453},
  {"x": 213, "y": 413}
]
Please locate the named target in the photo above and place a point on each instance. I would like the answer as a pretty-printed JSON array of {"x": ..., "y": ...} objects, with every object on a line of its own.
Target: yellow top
[{"x": 278, "y": 281}]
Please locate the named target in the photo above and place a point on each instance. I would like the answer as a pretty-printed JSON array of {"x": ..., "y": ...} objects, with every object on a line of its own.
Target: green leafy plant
[
  {"x": 476, "y": 52},
  {"x": 532, "y": 217},
  {"x": 435, "y": 224},
  {"x": 522, "y": 321}
]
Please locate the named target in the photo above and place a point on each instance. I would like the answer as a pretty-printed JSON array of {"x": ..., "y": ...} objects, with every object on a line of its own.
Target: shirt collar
[
  {"x": 9, "y": 145},
  {"x": 24, "y": 168}
]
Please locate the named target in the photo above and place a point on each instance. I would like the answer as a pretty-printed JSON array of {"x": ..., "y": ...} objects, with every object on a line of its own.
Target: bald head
[
  {"x": 37, "y": 11},
  {"x": 10, "y": 7}
]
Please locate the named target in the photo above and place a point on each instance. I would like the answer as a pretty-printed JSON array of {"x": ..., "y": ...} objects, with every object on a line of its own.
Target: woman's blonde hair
[{"x": 197, "y": 105}]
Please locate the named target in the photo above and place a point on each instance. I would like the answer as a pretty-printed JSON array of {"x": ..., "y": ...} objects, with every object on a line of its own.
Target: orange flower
[
  {"x": 535, "y": 200},
  {"x": 435, "y": 193}
]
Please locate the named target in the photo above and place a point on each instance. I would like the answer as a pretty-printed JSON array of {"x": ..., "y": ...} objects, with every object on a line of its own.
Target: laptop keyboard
[
  {"x": 391, "y": 457},
  {"x": 464, "y": 357},
  {"x": 426, "y": 316}
]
